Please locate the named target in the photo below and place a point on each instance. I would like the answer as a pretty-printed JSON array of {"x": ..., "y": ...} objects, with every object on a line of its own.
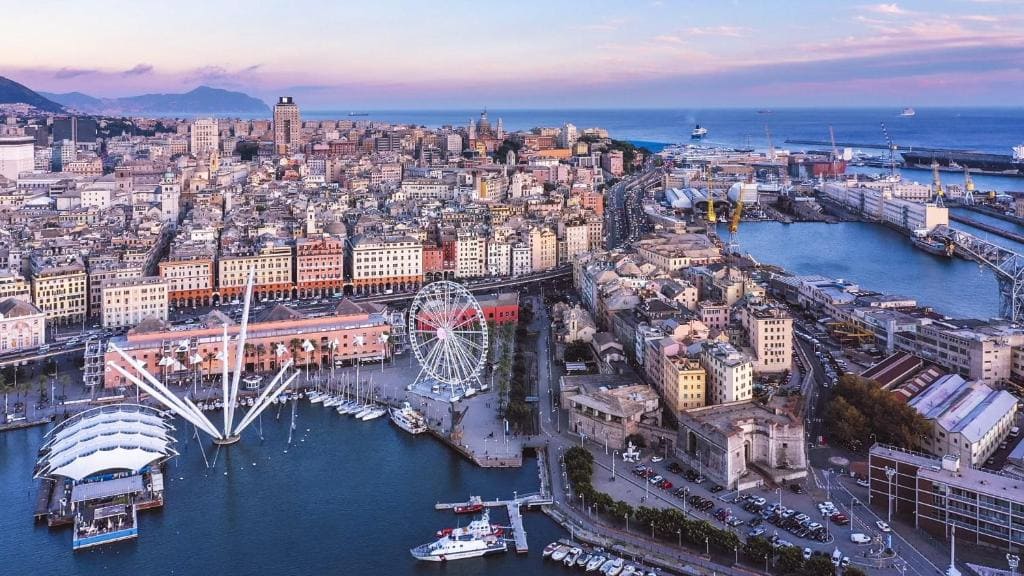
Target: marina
[{"x": 514, "y": 508}]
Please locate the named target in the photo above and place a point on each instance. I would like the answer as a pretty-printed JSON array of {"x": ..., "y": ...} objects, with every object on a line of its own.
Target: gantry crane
[
  {"x": 937, "y": 192},
  {"x": 968, "y": 187},
  {"x": 712, "y": 217},
  {"x": 734, "y": 225}
]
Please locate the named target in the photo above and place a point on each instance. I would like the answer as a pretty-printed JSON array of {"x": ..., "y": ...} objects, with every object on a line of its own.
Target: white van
[{"x": 1014, "y": 432}]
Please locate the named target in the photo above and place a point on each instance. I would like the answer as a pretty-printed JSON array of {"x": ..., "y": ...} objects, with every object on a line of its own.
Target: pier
[
  {"x": 515, "y": 514},
  {"x": 998, "y": 231},
  {"x": 895, "y": 147}
]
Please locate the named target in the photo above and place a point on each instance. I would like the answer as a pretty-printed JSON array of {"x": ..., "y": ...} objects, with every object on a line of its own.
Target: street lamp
[
  {"x": 853, "y": 502},
  {"x": 889, "y": 474},
  {"x": 779, "y": 490},
  {"x": 679, "y": 534},
  {"x": 626, "y": 516},
  {"x": 707, "y": 547},
  {"x": 615, "y": 453}
]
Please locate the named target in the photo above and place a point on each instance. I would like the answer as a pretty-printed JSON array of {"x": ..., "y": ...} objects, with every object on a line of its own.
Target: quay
[
  {"x": 988, "y": 227},
  {"x": 515, "y": 514},
  {"x": 895, "y": 147}
]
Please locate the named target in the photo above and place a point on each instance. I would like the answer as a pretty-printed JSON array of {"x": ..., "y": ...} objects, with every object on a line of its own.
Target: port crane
[
  {"x": 968, "y": 187},
  {"x": 734, "y": 225},
  {"x": 835, "y": 152},
  {"x": 937, "y": 184},
  {"x": 892, "y": 152},
  {"x": 711, "y": 216}
]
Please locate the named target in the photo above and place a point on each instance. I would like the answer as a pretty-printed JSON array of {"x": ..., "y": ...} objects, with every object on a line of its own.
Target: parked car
[
  {"x": 863, "y": 482},
  {"x": 675, "y": 468},
  {"x": 840, "y": 519},
  {"x": 665, "y": 485},
  {"x": 717, "y": 488},
  {"x": 656, "y": 459},
  {"x": 755, "y": 532},
  {"x": 796, "y": 489},
  {"x": 655, "y": 479},
  {"x": 807, "y": 553}
]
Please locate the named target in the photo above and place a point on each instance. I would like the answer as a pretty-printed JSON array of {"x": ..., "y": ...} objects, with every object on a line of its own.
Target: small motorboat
[
  {"x": 549, "y": 549},
  {"x": 572, "y": 556},
  {"x": 475, "y": 505},
  {"x": 595, "y": 563},
  {"x": 560, "y": 553},
  {"x": 583, "y": 560}
]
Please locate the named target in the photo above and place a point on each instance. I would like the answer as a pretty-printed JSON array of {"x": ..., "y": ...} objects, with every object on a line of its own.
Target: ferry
[
  {"x": 409, "y": 419},
  {"x": 475, "y": 540},
  {"x": 698, "y": 132},
  {"x": 908, "y": 112}
]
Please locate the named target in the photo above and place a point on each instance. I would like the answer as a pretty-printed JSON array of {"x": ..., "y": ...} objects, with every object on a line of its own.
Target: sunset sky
[{"x": 455, "y": 54}]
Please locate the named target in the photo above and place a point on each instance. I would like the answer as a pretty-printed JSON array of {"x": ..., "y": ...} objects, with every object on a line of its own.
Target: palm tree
[
  {"x": 260, "y": 351},
  {"x": 249, "y": 351},
  {"x": 294, "y": 345},
  {"x": 210, "y": 357}
]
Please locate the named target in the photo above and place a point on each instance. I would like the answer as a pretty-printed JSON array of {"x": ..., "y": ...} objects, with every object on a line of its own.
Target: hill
[
  {"x": 202, "y": 100},
  {"x": 12, "y": 92}
]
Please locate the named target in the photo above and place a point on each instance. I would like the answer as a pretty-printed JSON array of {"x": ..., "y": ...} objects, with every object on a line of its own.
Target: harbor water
[
  {"x": 346, "y": 497},
  {"x": 876, "y": 258}
]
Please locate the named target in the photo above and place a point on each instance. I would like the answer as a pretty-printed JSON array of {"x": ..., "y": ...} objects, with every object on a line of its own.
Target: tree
[
  {"x": 791, "y": 560},
  {"x": 853, "y": 571},
  {"x": 757, "y": 548},
  {"x": 819, "y": 566}
]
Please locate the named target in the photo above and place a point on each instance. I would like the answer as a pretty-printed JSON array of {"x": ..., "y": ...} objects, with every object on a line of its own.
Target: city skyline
[{"x": 653, "y": 54}]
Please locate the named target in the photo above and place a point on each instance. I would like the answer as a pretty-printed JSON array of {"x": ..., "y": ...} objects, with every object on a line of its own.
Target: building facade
[
  {"x": 128, "y": 302},
  {"x": 287, "y": 125},
  {"x": 22, "y": 326},
  {"x": 319, "y": 266}
]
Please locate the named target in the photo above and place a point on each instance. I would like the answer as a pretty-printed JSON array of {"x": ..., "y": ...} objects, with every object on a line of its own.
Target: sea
[
  {"x": 993, "y": 129},
  {"x": 350, "y": 497}
]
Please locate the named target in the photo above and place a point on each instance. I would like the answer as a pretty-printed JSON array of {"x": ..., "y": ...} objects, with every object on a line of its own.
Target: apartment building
[
  {"x": 272, "y": 264},
  {"x": 204, "y": 137},
  {"x": 127, "y": 302},
  {"x": 383, "y": 263},
  {"x": 59, "y": 289},
  {"x": 190, "y": 279},
  {"x": 770, "y": 332},
  {"x": 683, "y": 383},
  {"x": 471, "y": 255},
  {"x": 730, "y": 373},
  {"x": 319, "y": 265},
  {"x": 543, "y": 249}
]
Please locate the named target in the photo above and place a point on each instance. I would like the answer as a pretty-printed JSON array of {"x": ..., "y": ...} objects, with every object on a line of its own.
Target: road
[{"x": 624, "y": 217}]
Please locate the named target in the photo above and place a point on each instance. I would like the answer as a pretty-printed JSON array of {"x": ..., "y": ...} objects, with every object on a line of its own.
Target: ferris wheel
[{"x": 448, "y": 336}]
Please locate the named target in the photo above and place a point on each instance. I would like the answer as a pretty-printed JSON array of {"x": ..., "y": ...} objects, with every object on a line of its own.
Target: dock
[
  {"x": 988, "y": 228},
  {"x": 515, "y": 514}
]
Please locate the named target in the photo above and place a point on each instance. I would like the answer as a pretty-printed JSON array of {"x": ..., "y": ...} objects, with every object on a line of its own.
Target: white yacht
[
  {"x": 477, "y": 539},
  {"x": 409, "y": 419}
]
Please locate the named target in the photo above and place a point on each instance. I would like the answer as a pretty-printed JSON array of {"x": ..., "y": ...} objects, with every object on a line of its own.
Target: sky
[{"x": 385, "y": 54}]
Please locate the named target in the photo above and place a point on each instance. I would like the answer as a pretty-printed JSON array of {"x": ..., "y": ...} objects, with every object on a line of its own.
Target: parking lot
[{"x": 787, "y": 516}]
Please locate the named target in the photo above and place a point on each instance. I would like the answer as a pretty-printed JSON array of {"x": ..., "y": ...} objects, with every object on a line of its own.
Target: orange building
[
  {"x": 319, "y": 266},
  {"x": 190, "y": 281},
  {"x": 357, "y": 329}
]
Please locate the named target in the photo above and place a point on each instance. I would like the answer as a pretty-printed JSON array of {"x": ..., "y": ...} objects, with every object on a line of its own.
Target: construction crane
[
  {"x": 937, "y": 183},
  {"x": 968, "y": 187}
]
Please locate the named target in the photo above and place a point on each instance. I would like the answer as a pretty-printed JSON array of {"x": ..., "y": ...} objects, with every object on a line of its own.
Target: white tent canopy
[{"x": 118, "y": 437}]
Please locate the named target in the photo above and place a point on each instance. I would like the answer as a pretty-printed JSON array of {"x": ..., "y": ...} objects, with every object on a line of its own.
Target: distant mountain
[
  {"x": 13, "y": 93},
  {"x": 202, "y": 100},
  {"x": 75, "y": 100}
]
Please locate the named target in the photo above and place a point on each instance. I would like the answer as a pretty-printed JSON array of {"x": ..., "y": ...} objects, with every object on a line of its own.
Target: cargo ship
[{"x": 979, "y": 162}]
